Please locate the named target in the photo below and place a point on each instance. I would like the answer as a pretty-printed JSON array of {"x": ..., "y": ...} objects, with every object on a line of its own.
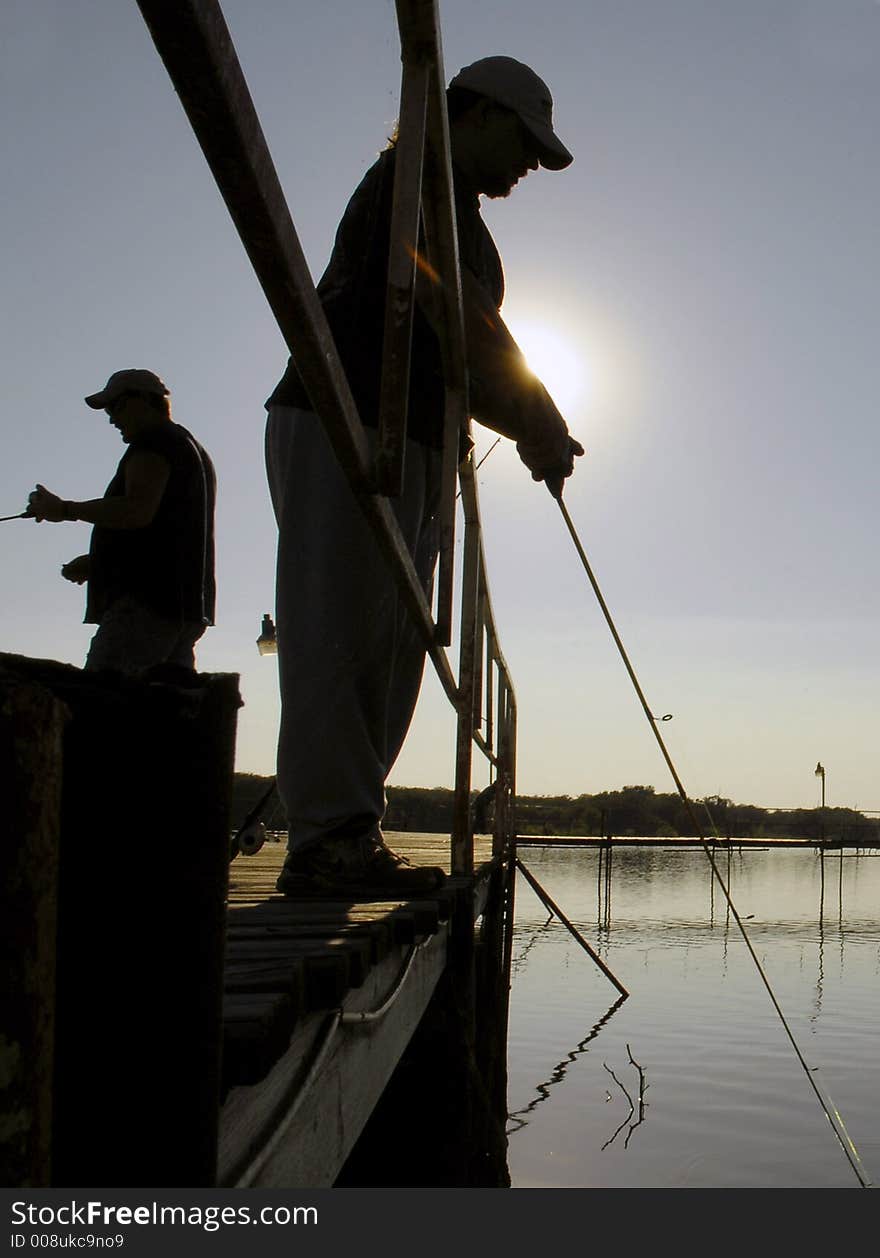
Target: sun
[{"x": 552, "y": 356}]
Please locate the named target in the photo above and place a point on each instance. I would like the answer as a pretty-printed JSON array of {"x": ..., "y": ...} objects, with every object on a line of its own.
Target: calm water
[{"x": 726, "y": 1101}]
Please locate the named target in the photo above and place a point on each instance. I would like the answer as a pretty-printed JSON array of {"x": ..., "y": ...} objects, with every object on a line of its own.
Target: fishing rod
[
  {"x": 828, "y": 1105},
  {"x": 22, "y": 515}
]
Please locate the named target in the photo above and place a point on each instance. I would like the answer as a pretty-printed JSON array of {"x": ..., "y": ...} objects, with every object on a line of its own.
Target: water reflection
[
  {"x": 518, "y": 1117},
  {"x": 817, "y": 1003},
  {"x": 729, "y": 1106},
  {"x": 518, "y": 963}
]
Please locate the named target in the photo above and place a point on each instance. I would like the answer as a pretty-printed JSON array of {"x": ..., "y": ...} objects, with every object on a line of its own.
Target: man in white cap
[
  {"x": 150, "y": 566},
  {"x": 350, "y": 661}
]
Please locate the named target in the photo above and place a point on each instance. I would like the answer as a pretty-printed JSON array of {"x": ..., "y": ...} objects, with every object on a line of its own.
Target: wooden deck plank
[
  {"x": 326, "y": 1084},
  {"x": 377, "y": 934},
  {"x": 256, "y": 1032},
  {"x": 252, "y": 977},
  {"x": 398, "y": 922},
  {"x": 326, "y": 976},
  {"x": 354, "y": 951},
  {"x": 289, "y": 961},
  {"x": 419, "y": 849},
  {"x": 427, "y": 914}
]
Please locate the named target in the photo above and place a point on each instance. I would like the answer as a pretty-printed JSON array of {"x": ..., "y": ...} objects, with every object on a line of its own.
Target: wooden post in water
[{"x": 31, "y": 727}]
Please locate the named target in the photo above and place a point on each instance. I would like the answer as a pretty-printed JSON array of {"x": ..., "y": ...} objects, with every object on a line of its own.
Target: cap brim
[
  {"x": 552, "y": 153},
  {"x": 97, "y": 401}
]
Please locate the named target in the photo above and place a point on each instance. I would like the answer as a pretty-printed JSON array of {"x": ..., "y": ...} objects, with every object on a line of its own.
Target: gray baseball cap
[
  {"x": 517, "y": 87},
  {"x": 132, "y": 379}
]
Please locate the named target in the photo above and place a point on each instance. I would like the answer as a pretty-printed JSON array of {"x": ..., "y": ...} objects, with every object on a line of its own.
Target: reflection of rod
[
  {"x": 543, "y": 1089},
  {"x": 542, "y": 895},
  {"x": 518, "y": 963}
]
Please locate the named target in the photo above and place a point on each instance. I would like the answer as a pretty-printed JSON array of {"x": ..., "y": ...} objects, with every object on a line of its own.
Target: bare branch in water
[
  {"x": 643, "y": 1087},
  {"x": 622, "y": 1088},
  {"x": 611, "y": 1139},
  {"x": 643, "y": 1084}
]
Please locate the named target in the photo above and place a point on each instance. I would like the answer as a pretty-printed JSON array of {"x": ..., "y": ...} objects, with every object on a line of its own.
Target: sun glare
[{"x": 560, "y": 367}]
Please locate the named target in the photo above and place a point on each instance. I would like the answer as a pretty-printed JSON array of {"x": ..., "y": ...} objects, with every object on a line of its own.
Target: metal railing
[{"x": 192, "y": 38}]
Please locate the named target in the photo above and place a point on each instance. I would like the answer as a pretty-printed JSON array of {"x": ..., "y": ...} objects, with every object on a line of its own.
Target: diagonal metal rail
[{"x": 572, "y": 930}]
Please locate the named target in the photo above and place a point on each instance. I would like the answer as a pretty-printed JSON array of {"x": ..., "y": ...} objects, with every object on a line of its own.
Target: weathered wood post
[
  {"x": 31, "y": 726},
  {"x": 142, "y": 871}
]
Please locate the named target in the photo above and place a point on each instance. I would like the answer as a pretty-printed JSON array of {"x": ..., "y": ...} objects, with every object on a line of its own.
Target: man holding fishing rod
[
  {"x": 150, "y": 566},
  {"x": 350, "y": 660}
]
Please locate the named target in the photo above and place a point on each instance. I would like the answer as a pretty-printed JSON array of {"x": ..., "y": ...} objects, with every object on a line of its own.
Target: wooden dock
[
  {"x": 173, "y": 1020},
  {"x": 320, "y": 1000}
]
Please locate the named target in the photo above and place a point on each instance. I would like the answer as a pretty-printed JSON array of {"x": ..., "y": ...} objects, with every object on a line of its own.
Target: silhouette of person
[
  {"x": 150, "y": 566},
  {"x": 350, "y": 661}
]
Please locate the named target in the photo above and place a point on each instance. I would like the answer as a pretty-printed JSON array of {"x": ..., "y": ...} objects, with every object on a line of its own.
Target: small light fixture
[{"x": 267, "y": 642}]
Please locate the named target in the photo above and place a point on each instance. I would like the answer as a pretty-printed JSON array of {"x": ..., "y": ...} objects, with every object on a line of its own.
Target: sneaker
[{"x": 363, "y": 866}]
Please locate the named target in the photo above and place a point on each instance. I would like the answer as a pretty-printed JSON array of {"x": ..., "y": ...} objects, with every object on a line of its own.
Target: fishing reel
[{"x": 249, "y": 840}]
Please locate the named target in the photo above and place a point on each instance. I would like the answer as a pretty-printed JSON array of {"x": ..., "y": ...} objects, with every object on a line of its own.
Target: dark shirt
[
  {"x": 353, "y": 291},
  {"x": 168, "y": 565}
]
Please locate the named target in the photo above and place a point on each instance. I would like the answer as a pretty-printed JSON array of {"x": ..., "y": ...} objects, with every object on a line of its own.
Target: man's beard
[{"x": 498, "y": 188}]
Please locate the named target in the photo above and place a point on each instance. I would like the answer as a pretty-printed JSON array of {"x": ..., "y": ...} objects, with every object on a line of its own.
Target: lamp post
[
  {"x": 820, "y": 773},
  {"x": 267, "y": 643}
]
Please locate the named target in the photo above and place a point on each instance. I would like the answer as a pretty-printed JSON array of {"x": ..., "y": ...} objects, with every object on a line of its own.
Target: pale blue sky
[{"x": 710, "y": 259}]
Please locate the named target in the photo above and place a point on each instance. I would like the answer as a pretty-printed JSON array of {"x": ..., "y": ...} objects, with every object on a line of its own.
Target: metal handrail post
[
  {"x": 491, "y": 666},
  {"x": 479, "y": 654},
  {"x": 405, "y": 222},
  {"x": 462, "y": 856},
  {"x": 441, "y": 234}
]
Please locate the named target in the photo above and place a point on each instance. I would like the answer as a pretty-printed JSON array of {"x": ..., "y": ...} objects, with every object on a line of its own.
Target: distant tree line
[{"x": 633, "y": 810}]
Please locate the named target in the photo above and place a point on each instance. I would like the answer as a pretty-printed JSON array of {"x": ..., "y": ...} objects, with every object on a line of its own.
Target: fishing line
[
  {"x": 486, "y": 455},
  {"x": 831, "y": 1112},
  {"x": 481, "y": 462}
]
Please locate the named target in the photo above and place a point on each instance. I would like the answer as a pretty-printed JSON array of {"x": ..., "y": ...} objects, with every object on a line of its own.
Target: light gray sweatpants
[{"x": 350, "y": 662}]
